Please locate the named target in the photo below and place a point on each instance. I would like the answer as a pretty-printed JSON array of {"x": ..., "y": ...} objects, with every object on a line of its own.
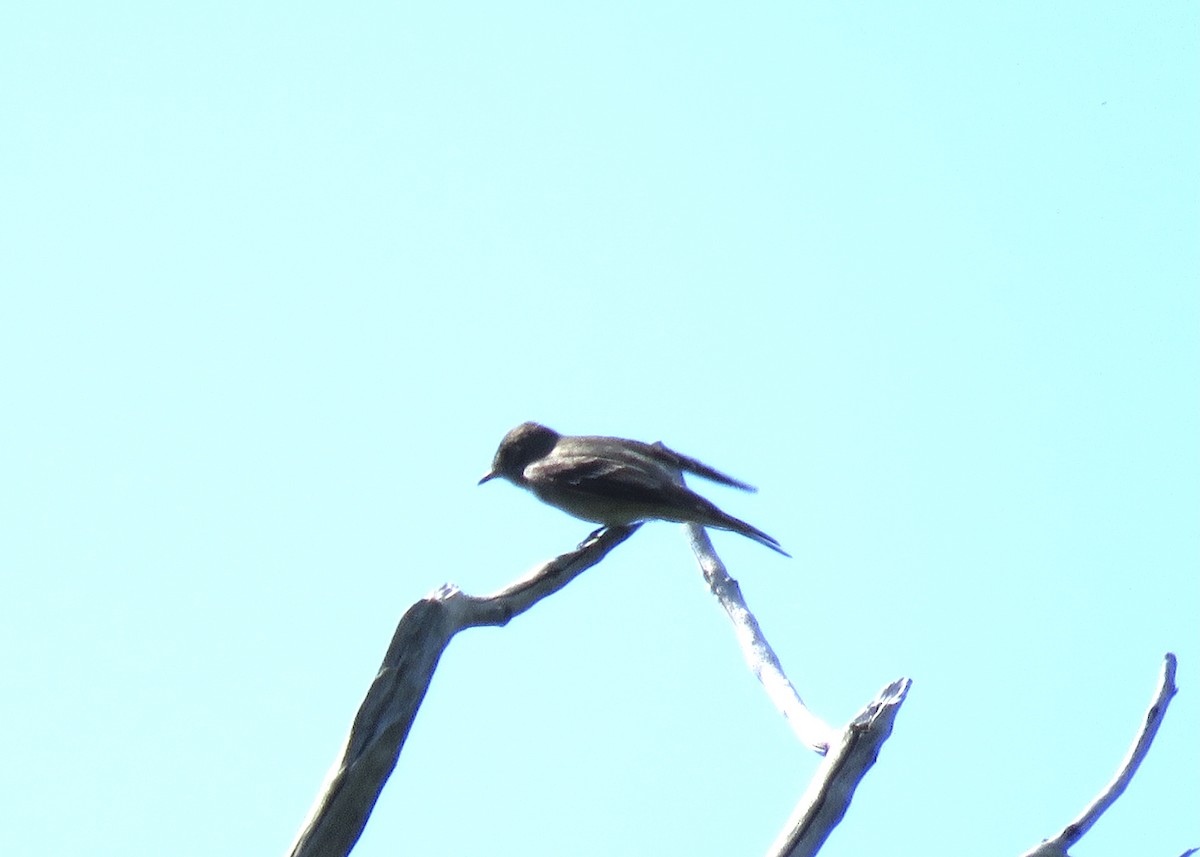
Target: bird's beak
[{"x": 488, "y": 477}]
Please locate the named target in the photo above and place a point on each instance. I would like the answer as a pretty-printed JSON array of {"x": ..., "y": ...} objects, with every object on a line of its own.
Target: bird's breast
[{"x": 590, "y": 507}]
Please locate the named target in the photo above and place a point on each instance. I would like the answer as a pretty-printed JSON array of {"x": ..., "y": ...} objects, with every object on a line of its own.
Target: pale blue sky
[{"x": 278, "y": 278}]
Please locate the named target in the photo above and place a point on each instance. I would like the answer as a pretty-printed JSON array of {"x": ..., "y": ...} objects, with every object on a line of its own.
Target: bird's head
[{"x": 521, "y": 447}]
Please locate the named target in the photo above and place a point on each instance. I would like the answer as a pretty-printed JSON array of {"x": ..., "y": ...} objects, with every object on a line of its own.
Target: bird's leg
[{"x": 595, "y": 534}]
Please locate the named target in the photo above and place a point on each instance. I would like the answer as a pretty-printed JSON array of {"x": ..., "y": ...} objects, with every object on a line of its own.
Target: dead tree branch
[
  {"x": 827, "y": 798},
  {"x": 1073, "y": 832},
  {"x": 856, "y": 748},
  {"x": 812, "y": 731},
  {"x": 377, "y": 735}
]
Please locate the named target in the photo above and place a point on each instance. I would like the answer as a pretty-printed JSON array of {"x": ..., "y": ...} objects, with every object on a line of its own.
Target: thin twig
[
  {"x": 1073, "y": 832},
  {"x": 812, "y": 731}
]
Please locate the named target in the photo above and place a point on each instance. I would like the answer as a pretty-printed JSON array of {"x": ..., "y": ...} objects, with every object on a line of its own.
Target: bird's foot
[{"x": 592, "y": 537}]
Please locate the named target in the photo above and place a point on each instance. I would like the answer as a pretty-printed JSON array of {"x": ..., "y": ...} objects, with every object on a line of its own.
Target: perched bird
[{"x": 613, "y": 481}]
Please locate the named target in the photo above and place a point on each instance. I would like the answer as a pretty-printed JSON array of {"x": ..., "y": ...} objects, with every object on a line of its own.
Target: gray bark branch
[
  {"x": 377, "y": 735},
  {"x": 1073, "y": 832},
  {"x": 855, "y": 748}
]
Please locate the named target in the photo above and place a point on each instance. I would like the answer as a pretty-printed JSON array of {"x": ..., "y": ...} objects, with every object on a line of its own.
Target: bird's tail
[{"x": 736, "y": 525}]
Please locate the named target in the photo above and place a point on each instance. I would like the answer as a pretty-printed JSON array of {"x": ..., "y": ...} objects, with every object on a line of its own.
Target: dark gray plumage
[{"x": 613, "y": 481}]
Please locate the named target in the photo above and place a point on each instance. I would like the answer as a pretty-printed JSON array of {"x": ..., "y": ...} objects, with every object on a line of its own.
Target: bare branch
[
  {"x": 828, "y": 796},
  {"x": 377, "y": 735},
  {"x": 813, "y": 732},
  {"x": 1073, "y": 832},
  {"x": 825, "y": 802}
]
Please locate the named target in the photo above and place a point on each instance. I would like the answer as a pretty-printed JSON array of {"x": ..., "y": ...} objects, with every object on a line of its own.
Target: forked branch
[
  {"x": 855, "y": 748},
  {"x": 377, "y": 735}
]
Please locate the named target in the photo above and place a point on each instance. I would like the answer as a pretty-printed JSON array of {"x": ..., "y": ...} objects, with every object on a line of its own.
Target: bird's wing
[
  {"x": 691, "y": 465},
  {"x": 616, "y": 479}
]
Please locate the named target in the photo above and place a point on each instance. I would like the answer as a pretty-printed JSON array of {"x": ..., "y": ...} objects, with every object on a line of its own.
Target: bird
[{"x": 613, "y": 481}]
